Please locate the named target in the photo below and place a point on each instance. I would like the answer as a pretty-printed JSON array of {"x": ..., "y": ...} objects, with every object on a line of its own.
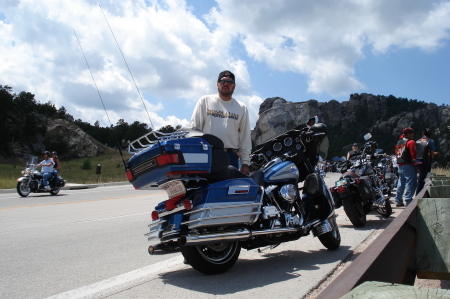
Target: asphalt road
[{"x": 90, "y": 243}]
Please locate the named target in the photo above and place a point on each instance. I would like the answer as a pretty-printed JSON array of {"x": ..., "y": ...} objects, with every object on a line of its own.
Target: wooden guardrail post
[
  {"x": 389, "y": 258},
  {"x": 433, "y": 237}
]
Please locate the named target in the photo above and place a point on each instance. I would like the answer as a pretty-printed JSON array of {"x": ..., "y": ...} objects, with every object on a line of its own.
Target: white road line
[{"x": 120, "y": 282}]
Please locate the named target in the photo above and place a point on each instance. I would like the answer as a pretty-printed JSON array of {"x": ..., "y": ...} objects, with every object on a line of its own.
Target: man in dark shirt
[{"x": 426, "y": 150}]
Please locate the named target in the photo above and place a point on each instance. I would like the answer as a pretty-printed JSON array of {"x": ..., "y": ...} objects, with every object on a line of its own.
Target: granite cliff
[{"x": 77, "y": 142}]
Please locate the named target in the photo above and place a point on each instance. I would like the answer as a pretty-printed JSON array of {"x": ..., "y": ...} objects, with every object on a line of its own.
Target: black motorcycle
[
  {"x": 32, "y": 180},
  {"x": 384, "y": 170},
  {"x": 359, "y": 188}
]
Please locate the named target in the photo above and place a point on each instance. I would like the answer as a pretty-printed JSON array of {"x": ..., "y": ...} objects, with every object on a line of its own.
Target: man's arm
[
  {"x": 197, "y": 118},
  {"x": 411, "y": 144},
  {"x": 245, "y": 142}
]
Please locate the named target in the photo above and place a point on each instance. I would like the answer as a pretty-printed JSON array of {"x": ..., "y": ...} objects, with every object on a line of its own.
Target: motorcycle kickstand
[{"x": 268, "y": 247}]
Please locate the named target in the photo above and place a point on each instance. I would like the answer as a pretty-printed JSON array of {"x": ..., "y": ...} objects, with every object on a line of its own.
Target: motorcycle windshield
[
  {"x": 33, "y": 160},
  {"x": 323, "y": 148}
]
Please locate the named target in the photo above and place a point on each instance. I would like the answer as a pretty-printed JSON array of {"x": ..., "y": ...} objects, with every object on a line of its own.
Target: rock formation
[
  {"x": 348, "y": 121},
  {"x": 78, "y": 142}
]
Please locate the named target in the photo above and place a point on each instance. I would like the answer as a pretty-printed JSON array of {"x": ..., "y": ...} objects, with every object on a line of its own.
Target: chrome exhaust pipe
[
  {"x": 244, "y": 235},
  {"x": 194, "y": 240}
]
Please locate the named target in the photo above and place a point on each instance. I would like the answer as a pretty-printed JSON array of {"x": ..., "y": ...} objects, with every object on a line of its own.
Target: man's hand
[{"x": 244, "y": 169}]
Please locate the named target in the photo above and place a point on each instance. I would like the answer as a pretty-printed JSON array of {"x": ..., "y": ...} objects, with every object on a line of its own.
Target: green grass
[{"x": 74, "y": 171}]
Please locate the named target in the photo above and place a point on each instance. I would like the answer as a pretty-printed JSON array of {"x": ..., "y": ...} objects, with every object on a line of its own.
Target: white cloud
[
  {"x": 325, "y": 39},
  {"x": 175, "y": 56}
]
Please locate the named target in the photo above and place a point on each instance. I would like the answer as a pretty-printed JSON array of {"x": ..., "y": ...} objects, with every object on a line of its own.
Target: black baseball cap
[{"x": 226, "y": 73}]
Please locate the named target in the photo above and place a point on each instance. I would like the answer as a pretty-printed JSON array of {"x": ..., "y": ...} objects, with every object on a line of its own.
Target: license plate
[
  {"x": 174, "y": 188},
  {"x": 341, "y": 183}
]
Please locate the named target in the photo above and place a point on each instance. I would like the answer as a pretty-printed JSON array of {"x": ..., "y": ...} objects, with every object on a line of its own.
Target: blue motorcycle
[{"x": 213, "y": 210}]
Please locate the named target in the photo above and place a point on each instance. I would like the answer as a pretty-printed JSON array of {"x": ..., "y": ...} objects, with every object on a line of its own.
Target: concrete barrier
[{"x": 375, "y": 289}]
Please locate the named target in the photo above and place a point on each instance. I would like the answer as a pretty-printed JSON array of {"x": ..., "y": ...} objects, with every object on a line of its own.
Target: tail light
[
  {"x": 332, "y": 190},
  {"x": 172, "y": 203},
  {"x": 341, "y": 189},
  {"x": 167, "y": 159}
]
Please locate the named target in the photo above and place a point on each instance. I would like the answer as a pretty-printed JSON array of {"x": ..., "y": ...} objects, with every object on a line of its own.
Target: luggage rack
[{"x": 146, "y": 140}]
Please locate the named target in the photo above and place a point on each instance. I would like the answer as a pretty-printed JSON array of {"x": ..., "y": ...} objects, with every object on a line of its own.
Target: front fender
[{"x": 22, "y": 179}]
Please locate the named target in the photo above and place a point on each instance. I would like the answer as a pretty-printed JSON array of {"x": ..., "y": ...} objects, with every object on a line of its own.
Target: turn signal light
[
  {"x": 187, "y": 204},
  {"x": 155, "y": 215},
  {"x": 358, "y": 181},
  {"x": 129, "y": 175},
  {"x": 332, "y": 190}
]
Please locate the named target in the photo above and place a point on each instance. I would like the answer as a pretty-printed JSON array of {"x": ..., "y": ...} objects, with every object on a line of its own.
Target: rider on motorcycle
[
  {"x": 56, "y": 166},
  {"x": 47, "y": 169}
]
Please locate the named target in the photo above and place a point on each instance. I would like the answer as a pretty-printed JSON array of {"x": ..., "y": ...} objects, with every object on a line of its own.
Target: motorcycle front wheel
[
  {"x": 385, "y": 211},
  {"x": 23, "y": 189},
  {"x": 213, "y": 258}
]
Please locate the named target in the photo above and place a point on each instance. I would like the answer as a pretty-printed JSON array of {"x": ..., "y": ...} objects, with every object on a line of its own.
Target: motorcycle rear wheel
[
  {"x": 213, "y": 258},
  {"x": 354, "y": 209},
  {"x": 385, "y": 211},
  {"x": 22, "y": 189},
  {"x": 331, "y": 240}
]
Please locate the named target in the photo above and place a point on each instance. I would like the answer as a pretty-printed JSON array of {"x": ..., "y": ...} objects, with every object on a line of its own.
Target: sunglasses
[{"x": 229, "y": 82}]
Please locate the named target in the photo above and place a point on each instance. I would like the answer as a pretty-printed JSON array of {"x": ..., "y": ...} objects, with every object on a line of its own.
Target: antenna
[
  {"x": 142, "y": 99},
  {"x": 101, "y": 99}
]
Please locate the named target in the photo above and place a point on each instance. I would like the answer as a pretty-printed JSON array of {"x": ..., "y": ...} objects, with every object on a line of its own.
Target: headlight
[{"x": 289, "y": 192}]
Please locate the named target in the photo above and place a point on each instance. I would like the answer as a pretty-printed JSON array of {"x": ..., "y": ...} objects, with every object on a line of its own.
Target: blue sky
[{"x": 297, "y": 50}]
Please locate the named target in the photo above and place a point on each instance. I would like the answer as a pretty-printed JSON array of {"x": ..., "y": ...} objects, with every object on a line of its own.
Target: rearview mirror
[{"x": 367, "y": 136}]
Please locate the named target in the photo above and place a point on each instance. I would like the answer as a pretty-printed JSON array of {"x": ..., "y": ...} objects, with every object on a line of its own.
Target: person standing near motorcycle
[
  {"x": 47, "y": 169},
  {"x": 426, "y": 150},
  {"x": 405, "y": 151},
  {"x": 354, "y": 152},
  {"x": 225, "y": 117},
  {"x": 56, "y": 166}
]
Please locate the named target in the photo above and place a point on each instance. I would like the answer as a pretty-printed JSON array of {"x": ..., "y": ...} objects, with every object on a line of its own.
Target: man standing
[
  {"x": 426, "y": 150},
  {"x": 225, "y": 117},
  {"x": 354, "y": 152},
  {"x": 47, "y": 169},
  {"x": 405, "y": 151}
]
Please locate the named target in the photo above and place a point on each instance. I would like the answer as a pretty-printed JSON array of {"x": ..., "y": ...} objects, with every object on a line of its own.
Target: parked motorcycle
[
  {"x": 360, "y": 187},
  {"x": 384, "y": 170},
  {"x": 213, "y": 210},
  {"x": 31, "y": 181}
]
